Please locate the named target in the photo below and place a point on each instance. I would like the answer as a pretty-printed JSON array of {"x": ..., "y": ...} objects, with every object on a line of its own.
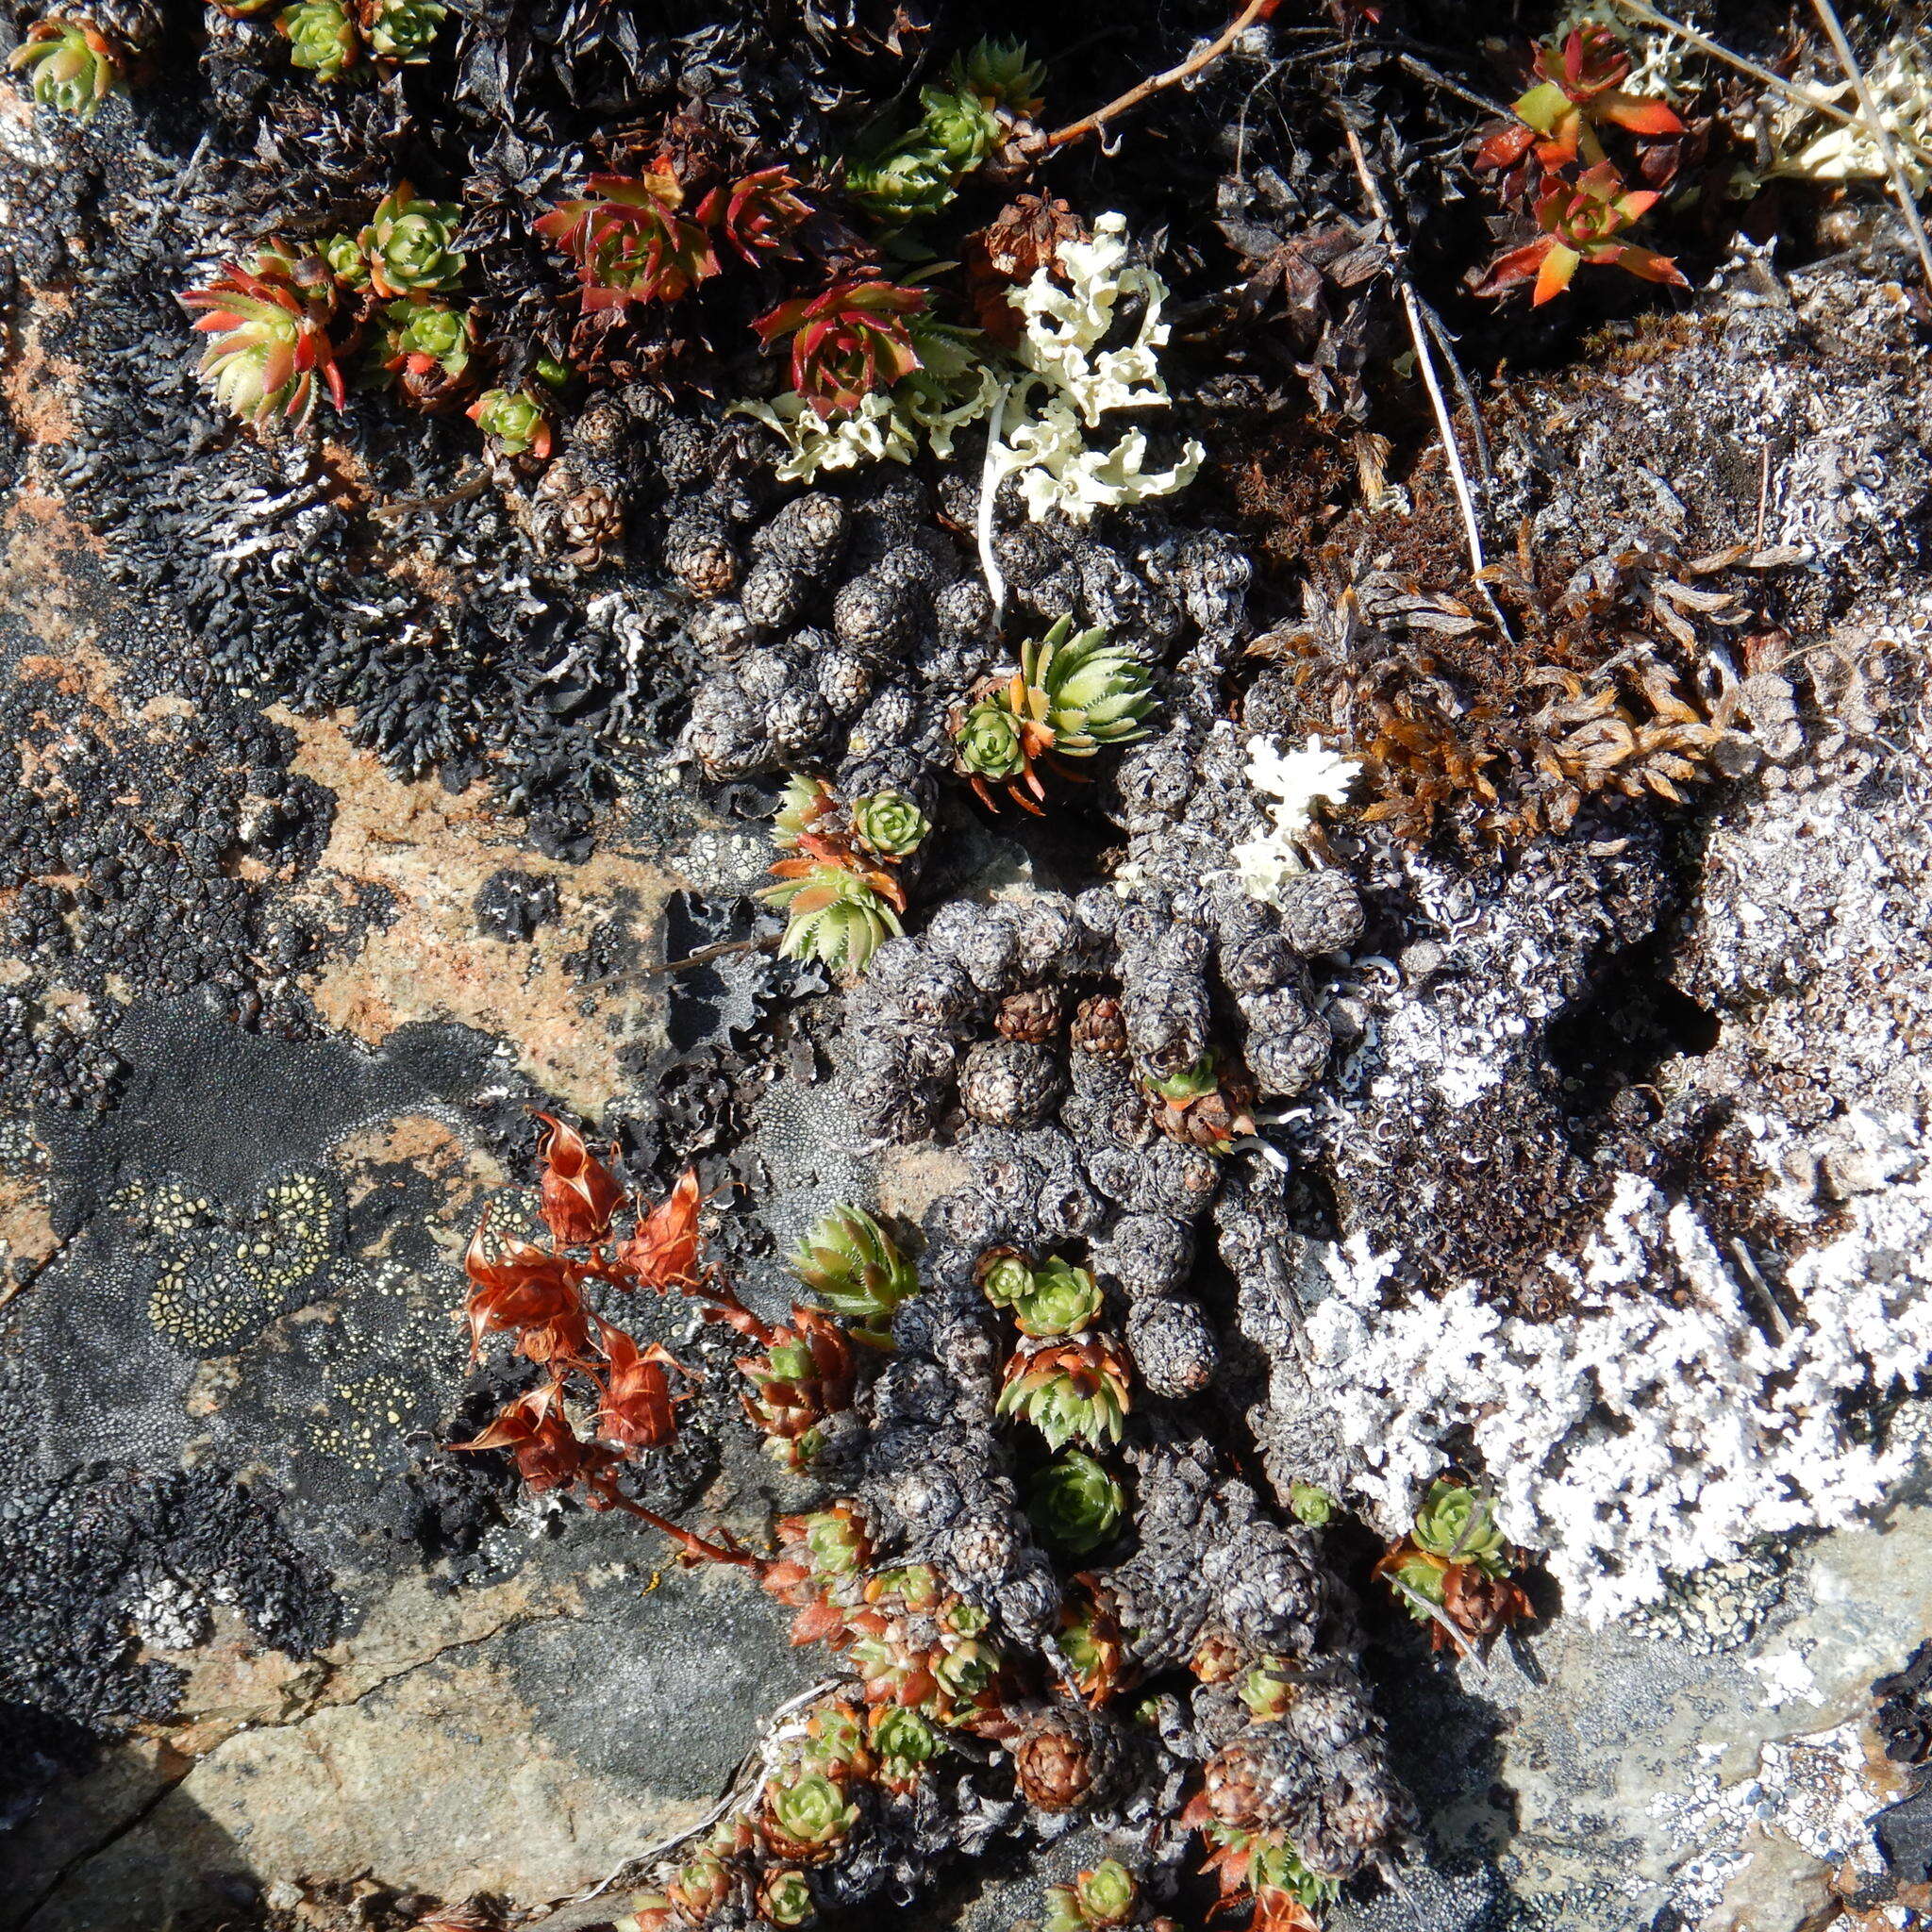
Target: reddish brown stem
[
  {"x": 722, "y": 1304},
  {"x": 692, "y": 1544},
  {"x": 1078, "y": 130}
]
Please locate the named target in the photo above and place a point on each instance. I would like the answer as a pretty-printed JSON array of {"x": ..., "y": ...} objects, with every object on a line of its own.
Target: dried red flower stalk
[{"x": 578, "y": 1193}]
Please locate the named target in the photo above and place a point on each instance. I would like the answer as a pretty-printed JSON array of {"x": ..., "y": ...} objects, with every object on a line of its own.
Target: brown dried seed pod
[
  {"x": 1029, "y": 234},
  {"x": 1101, "y": 1028},
  {"x": 1034, "y": 1015}
]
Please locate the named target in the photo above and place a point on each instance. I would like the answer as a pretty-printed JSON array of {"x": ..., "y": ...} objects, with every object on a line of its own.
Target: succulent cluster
[
  {"x": 1453, "y": 1569},
  {"x": 1070, "y": 697},
  {"x": 839, "y": 880},
  {"x": 1046, "y": 1592},
  {"x": 986, "y": 106},
  {"x": 644, "y": 238},
  {"x": 603, "y": 1398},
  {"x": 1554, "y": 156},
  {"x": 331, "y": 37},
  {"x": 970, "y": 1659}
]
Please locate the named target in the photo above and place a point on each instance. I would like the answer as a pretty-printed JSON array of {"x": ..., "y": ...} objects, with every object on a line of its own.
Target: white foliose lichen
[
  {"x": 886, "y": 426},
  {"x": 1669, "y": 1420},
  {"x": 1070, "y": 383},
  {"x": 1296, "y": 781}
]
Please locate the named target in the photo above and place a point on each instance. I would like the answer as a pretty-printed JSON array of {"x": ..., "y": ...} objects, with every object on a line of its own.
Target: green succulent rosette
[
  {"x": 785, "y": 1898},
  {"x": 850, "y": 1262},
  {"x": 1460, "y": 1526},
  {"x": 965, "y": 1620},
  {"x": 891, "y": 824},
  {"x": 1075, "y": 1504},
  {"x": 1267, "y": 1689},
  {"x": 72, "y": 67},
  {"x": 903, "y": 1740},
  {"x": 964, "y": 1668},
  {"x": 987, "y": 741},
  {"x": 1095, "y": 692},
  {"x": 902, "y": 184},
  {"x": 810, "y": 1810},
  {"x": 835, "y": 1542},
  {"x": 1062, "y": 1300},
  {"x": 322, "y": 37},
  {"x": 1000, "y": 72},
  {"x": 1277, "y": 1867},
  {"x": 915, "y": 1585},
  {"x": 1418, "y": 1579},
  {"x": 513, "y": 420},
  {"x": 958, "y": 127},
  {"x": 411, "y": 244},
  {"x": 432, "y": 329},
  {"x": 836, "y": 918},
  {"x": 1005, "y": 1277},
  {"x": 1310, "y": 1504},
  {"x": 343, "y": 254},
  {"x": 838, "y": 1740},
  {"x": 402, "y": 30},
  {"x": 1070, "y": 1391}
]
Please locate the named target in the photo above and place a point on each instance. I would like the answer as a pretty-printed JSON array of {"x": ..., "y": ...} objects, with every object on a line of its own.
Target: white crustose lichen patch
[{"x": 1642, "y": 1435}]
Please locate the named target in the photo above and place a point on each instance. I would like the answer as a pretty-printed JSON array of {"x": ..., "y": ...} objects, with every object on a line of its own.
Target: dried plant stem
[
  {"x": 1642, "y": 11},
  {"x": 1880, "y": 133},
  {"x": 1426, "y": 363},
  {"x": 409, "y": 505},
  {"x": 1078, "y": 130},
  {"x": 991, "y": 472},
  {"x": 706, "y": 953}
]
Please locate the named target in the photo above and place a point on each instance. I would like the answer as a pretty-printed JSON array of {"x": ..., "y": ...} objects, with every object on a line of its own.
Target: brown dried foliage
[{"x": 1611, "y": 689}]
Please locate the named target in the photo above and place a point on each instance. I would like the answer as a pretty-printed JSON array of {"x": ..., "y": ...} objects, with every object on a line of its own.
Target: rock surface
[{"x": 1653, "y": 1105}]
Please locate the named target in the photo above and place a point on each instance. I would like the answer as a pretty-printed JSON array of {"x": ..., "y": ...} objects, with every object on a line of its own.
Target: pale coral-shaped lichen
[
  {"x": 1297, "y": 781},
  {"x": 1045, "y": 444},
  {"x": 1809, "y": 147}
]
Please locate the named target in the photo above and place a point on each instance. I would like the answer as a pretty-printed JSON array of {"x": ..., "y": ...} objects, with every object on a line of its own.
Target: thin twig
[
  {"x": 407, "y": 505},
  {"x": 1446, "y": 342},
  {"x": 1078, "y": 130},
  {"x": 1704, "y": 44},
  {"x": 1418, "y": 334},
  {"x": 1880, "y": 133},
  {"x": 706, "y": 953},
  {"x": 1423, "y": 71}
]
